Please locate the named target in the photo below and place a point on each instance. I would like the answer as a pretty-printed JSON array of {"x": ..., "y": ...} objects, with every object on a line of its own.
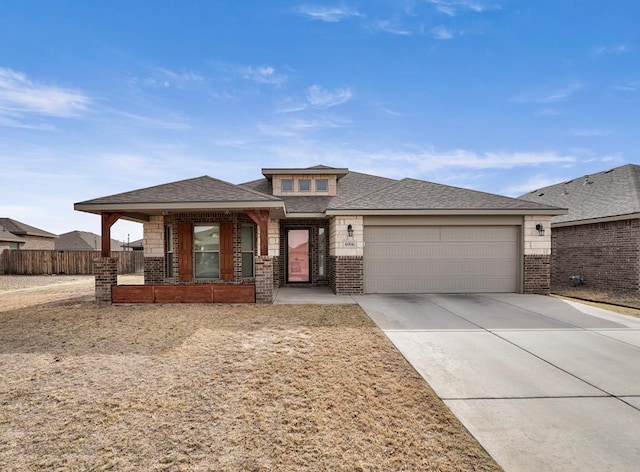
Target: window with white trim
[{"x": 246, "y": 243}]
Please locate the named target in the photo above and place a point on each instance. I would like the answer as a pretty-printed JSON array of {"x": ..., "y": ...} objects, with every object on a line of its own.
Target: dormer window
[
  {"x": 287, "y": 185},
  {"x": 304, "y": 185},
  {"x": 321, "y": 185}
]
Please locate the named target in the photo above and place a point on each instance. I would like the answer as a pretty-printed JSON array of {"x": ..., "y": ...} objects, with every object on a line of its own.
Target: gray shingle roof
[
  {"x": 7, "y": 237},
  {"x": 611, "y": 193},
  {"x": 83, "y": 241},
  {"x": 199, "y": 189},
  {"x": 412, "y": 194},
  {"x": 22, "y": 229}
]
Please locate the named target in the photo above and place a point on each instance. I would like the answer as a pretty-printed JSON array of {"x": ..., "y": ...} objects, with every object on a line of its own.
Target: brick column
[
  {"x": 106, "y": 271},
  {"x": 265, "y": 292},
  {"x": 346, "y": 275},
  {"x": 537, "y": 270}
]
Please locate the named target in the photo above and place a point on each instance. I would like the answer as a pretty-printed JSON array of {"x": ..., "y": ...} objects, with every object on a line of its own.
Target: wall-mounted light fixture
[
  {"x": 350, "y": 231},
  {"x": 540, "y": 229}
]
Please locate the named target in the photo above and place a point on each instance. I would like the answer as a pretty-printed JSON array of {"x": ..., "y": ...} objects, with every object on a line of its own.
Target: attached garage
[{"x": 442, "y": 259}]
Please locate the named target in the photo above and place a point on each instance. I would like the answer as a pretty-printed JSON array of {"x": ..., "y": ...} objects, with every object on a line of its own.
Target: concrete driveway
[{"x": 543, "y": 384}]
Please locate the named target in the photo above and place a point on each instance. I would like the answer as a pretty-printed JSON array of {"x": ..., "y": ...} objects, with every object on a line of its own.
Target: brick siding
[
  {"x": 346, "y": 275},
  {"x": 606, "y": 254},
  {"x": 106, "y": 272},
  {"x": 537, "y": 274},
  {"x": 154, "y": 270},
  {"x": 265, "y": 289},
  {"x": 238, "y": 219}
]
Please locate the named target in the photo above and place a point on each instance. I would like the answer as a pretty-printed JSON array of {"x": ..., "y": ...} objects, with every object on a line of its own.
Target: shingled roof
[
  {"x": 83, "y": 241},
  {"x": 191, "y": 194},
  {"x": 411, "y": 195},
  {"x": 358, "y": 193},
  {"x": 614, "y": 193},
  {"x": 22, "y": 229}
]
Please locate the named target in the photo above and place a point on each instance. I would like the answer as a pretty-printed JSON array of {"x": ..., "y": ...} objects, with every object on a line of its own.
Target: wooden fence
[{"x": 39, "y": 262}]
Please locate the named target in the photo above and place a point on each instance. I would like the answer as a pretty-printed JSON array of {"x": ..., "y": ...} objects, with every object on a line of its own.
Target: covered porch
[{"x": 194, "y": 251}]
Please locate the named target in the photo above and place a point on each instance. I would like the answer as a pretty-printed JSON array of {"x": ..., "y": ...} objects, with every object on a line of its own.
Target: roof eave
[
  {"x": 428, "y": 211},
  {"x": 605, "y": 219},
  {"x": 140, "y": 212}
]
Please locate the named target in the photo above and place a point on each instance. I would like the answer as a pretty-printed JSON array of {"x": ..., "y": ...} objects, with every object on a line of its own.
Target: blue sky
[{"x": 504, "y": 96}]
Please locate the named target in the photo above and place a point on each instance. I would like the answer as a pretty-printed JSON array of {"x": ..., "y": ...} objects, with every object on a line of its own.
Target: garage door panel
[{"x": 461, "y": 259}]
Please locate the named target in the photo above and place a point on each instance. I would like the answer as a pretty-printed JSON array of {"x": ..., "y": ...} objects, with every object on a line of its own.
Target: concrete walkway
[
  {"x": 543, "y": 384},
  {"x": 310, "y": 295}
]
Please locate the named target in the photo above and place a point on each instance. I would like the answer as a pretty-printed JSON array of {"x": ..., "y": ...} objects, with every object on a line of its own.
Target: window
[
  {"x": 206, "y": 251},
  {"x": 304, "y": 185},
  {"x": 322, "y": 260},
  {"x": 287, "y": 185},
  {"x": 321, "y": 185},
  {"x": 247, "y": 250},
  {"x": 14, "y": 246},
  {"x": 168, "y": 243}
]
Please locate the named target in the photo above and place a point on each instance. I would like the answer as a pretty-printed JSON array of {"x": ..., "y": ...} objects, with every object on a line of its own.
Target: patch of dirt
[{"x": 216, "y": 387}]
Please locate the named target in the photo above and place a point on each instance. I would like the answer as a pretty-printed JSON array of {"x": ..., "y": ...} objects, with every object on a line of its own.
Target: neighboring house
[
  {"x": 598, "y": 240},
  {"x": 137, "y": 245},
  {"x": 83, "y": 241},
  {"x": 210, "y": 240},
  {"x": 24, "y": 236}
]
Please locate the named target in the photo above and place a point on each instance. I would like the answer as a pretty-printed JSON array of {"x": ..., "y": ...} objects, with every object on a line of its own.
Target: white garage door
[{"x": 441, "y": 259}]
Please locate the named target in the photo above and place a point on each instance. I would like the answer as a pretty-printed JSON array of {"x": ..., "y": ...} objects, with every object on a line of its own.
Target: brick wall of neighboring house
[
  {"x": 606, "y": 254},
  {"x": 346, "y": 275},
  {"x": 314, "y": 225},
  {"x": 38, "y": 242}
]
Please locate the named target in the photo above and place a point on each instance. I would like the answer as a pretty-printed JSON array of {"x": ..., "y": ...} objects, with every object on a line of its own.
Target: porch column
[
  {"x": 106, "y": 273},
  {"x": 105, "y": 267},
  {"x": 265, "y": 291}
]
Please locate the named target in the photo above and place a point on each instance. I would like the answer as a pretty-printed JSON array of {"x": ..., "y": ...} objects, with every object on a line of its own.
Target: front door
[{"x": 298, "y": 259}]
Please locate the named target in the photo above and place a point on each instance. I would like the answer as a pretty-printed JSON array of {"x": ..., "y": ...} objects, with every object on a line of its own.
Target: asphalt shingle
[{"x": 611, "y": 193}]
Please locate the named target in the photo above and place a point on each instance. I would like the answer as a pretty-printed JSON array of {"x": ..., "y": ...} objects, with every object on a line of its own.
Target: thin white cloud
[
  {"x": 558, "y": 95},
  {"x": 530, "y": 184},
  {"x": 443, "y": 33},
  {"x": 589, "y": 132},
  {"x": 19, "y": 96},
  {"x": 327, "y": 14},
  {"x": 262, "y": 75},
  {"x": 611, "y": 50},
  {"x": 184, "y": 76},
  {"x": 454, "y": 7},
  {"x": 319, "y": 97},
  {"x": 391, "y": 27}
]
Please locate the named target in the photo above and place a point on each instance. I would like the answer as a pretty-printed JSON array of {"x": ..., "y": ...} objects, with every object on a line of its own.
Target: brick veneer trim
[{"x": 106, "y": 275}]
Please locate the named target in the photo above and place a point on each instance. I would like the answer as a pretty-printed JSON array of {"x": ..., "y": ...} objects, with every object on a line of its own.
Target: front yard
[{"x": 204, "y": 388}]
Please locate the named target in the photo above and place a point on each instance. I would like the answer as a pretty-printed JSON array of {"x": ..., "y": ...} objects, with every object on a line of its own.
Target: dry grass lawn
[{"x": 208, "y": 388}]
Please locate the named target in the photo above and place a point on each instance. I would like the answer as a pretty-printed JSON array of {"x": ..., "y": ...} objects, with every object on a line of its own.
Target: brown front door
[{"x": 298, "y": 266}]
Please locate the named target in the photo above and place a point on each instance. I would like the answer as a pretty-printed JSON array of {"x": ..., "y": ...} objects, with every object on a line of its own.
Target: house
[
  {"x": 83, "y": 241},
  {"x": 597, "y": 243},
  {"x": 210, "y": 240},
  {"x": 17, "y": 235}
]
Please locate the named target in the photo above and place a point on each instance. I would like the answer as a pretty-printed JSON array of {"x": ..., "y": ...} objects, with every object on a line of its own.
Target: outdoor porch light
[
  {"x": 540, "y": 229},
  {"x": 350, "y": 231}
]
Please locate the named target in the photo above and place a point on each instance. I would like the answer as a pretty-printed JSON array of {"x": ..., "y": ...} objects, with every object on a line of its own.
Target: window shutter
[
  {"x": 185, "y": 251},
  {"x": 226, "y": 251}
]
